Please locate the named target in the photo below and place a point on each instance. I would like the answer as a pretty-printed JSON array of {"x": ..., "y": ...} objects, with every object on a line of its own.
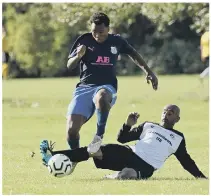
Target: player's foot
[
  {"x": 73, "y": 167},
  {"x": 111, "y": 176},
  {"x": 94, "y": 146},
  {"x": 46, "y": 151}
]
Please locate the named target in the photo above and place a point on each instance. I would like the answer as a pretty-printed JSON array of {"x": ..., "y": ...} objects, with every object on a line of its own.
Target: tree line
[{"x": 167, "y": 35}]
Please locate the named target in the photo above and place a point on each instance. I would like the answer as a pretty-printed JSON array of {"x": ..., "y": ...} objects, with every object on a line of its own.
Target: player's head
[
  {"x": 99, "y": 26},
  {"x": 170, "y": 116}
]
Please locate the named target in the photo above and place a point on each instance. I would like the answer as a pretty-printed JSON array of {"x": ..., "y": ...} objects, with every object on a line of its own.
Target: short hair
[
  {"x": 173, "y": 107},
  {"x": 99, "y": 18}
]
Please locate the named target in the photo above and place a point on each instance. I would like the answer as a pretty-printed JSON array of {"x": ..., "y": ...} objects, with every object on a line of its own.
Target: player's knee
[
  {"x": 127, "y": 174},
  {"x": 103, "y": 99}
]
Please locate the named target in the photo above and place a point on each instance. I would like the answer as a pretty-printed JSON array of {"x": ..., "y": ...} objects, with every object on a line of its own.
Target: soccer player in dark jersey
[
  {"x": 97, "y": 53},
  {"x": 155, "y": 143}
]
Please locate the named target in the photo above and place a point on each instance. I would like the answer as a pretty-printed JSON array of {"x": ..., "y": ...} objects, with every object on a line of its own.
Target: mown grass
[{"x": 34, "y": 109}]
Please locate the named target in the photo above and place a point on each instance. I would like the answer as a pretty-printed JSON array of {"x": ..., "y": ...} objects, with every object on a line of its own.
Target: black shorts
[{"x": 117, "y": 157}]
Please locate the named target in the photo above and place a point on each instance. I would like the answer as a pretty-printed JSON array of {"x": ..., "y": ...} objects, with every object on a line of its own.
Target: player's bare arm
[
  {"x": 150, "y": 76},
  {"x": 72, "y": 62}
]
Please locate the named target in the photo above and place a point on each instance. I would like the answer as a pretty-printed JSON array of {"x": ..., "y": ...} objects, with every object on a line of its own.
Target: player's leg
[
  {"x": 125, "y": 174},
  {"x": 73, "y": 126},
  {"x": 76, "y": 155},
  {"x": 103, "y": 99},
  {"x": 122, "y": 158},
  {"x": 80, "y": 109},
  {"x": 111, "y": 156},
  {"x": 131, "y": 174},
  {"x": 114, "y": 157}
]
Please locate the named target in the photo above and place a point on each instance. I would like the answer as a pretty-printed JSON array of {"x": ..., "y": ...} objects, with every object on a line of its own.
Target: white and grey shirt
[{"x": 156, "y": 143}]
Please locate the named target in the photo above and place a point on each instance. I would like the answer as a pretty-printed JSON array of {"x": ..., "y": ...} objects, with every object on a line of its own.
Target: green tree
[
  {"x": 37, "y": 40},
  {"x": 40, "y": 34},
  {"x": 164, "y": 14}
]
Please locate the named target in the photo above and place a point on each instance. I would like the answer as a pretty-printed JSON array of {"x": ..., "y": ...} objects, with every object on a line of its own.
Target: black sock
[
  {"x": 73, "y": 143},
  {"x": 75, "y": 155}
]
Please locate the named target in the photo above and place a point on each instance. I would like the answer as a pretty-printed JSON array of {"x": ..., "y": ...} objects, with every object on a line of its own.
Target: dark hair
[{"x": 99, "y": 18}]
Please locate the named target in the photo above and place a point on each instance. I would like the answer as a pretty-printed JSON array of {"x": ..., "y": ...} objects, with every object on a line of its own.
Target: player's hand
[
  {"x": 81, "y": 50},
  {"x": 152, "y": 77},
  {"x": 132, "y": 119}
]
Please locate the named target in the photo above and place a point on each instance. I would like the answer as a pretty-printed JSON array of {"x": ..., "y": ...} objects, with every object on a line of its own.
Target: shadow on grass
[
  {"x": 150, "y": 179},
  {"x": 171, "y": 178}
]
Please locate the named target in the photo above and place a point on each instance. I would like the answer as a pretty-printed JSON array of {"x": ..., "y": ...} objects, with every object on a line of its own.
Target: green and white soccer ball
[{"x": 60, "y": 165}]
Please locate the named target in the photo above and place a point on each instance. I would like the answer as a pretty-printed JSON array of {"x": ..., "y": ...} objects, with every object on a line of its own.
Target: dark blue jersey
[{"x": 97, "y": 66}]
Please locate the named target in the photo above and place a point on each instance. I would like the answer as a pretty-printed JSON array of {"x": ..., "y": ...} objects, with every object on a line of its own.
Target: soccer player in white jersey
[{"x": 155, "y": 143}]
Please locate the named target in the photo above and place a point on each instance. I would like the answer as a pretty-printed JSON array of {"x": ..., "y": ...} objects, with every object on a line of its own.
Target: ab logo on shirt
[{"x": 103, "y": 59}]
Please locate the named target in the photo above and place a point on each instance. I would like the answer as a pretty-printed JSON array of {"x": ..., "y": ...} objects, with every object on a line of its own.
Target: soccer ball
[{"x": 59, "y": 165}]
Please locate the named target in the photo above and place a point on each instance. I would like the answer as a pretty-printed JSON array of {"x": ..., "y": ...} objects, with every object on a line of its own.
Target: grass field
[{"x": 34, "y": 109}]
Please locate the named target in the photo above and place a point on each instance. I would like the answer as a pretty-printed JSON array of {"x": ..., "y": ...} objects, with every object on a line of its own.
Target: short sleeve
[
  {"x": 73, "y": 50},
  {"x": 125, "y": 47}
]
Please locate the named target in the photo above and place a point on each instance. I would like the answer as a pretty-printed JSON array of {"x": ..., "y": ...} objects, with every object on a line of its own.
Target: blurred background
[
  {"x": 37, "y": 37},
  {"x": 173, "y": 39}
]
